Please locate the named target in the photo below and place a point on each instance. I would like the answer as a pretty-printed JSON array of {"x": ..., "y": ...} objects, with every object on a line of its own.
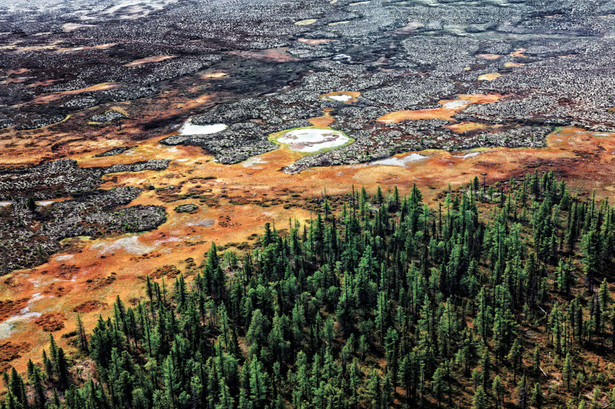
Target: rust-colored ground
[
  {"x": 234, "y": 201},
  {"x": 45, "y": 99},
  {"x": 447, "y": 111}
]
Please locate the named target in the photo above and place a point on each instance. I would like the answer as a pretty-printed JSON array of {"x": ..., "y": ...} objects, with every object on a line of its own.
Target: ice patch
[
  {"x": 310, "y": 140},
  {"x": 130, "y": 244},
  {"x": 191, "y": 129},
  {"x": 395, "y": 161}
]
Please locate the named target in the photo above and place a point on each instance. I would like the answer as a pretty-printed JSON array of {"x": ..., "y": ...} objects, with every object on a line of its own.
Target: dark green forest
[{"x": 497, "y": 296}]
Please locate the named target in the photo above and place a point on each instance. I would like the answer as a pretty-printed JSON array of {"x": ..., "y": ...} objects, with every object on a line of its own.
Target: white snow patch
[
  {"x": 8, "y": 327},
  {"x": 191, "y": 129},
  {"x": 131, "y": 244},
  {"x": 395, "y": 161},
  {"x": 340, "y": 98},
  {"x": 460, "y": 103},
  {"x": 313, "y": 139},
  {"x": 5, "y": 203}
]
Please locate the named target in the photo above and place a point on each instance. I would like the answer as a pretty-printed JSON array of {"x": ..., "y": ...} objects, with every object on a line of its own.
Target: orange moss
[
  {"x": 489, "y": 77},
  {"x": 324, "y": 121},
  {"x": 447, "y": 111},
  {"x": 463, "y": 127},
  {"x": 235, "y": 201}
]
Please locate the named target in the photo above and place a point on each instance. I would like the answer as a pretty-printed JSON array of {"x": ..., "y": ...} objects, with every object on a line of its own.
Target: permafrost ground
[{"x": 134, "y": 133}]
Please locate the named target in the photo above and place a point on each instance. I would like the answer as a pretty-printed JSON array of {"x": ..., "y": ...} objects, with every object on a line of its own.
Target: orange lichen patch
[
  {"x": 447, "y": 111},
  {"x": 324, "y": 121},
  {"x": 214, "y": 75},
  {"x": 155, "y": 58},
  {"x": 10, "y": 351},
  {"x": 519, "y": 53},
  {"x": 89, "y": 306},
  {"x": 25, "y": 147},
  {"x": 274, "y": 55},
  {"x": 463, "y": 127},
  {"x": 310, "y": 41},
  {"x": 489, "y": 77},
  {"x": 415, "y": 115},
  {"x": 235, "y": 201},
  {"x": 347, "y": 97},
  {"x": 51, "y": 322},
  {"x": 489, "y": 57},
  {"x": 511, "y": 64},
  {"x": 45, "y": 99}
]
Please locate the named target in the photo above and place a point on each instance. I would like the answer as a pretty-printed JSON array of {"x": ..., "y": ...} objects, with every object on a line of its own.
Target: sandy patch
[
  {"x": 489, "y": 57},
  {"x": 306, "y": 22}
]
